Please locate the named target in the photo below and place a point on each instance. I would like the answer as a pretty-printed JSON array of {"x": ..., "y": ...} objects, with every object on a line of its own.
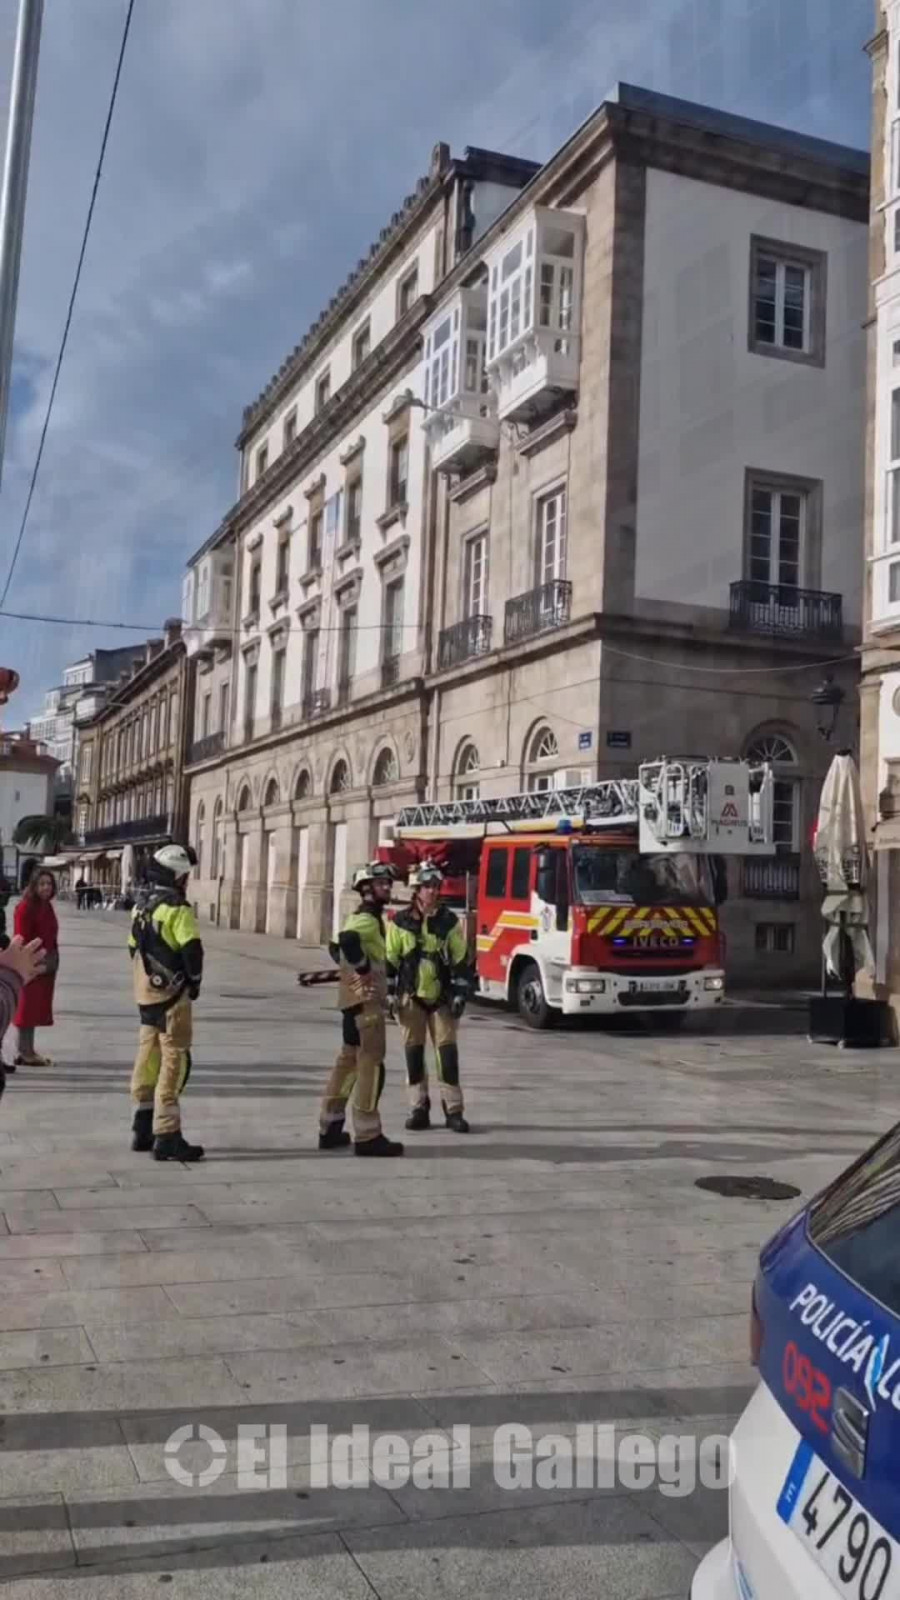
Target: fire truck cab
[{"x": 599, "y": 900}]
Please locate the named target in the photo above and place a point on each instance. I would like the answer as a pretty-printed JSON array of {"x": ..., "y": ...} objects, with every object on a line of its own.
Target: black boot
[
  {"x": 334, "y": 1137},
  {"x": 379, "y": 1146},
  {"x": 142, "y": 1129},
  {"x": 419, "y": 1117},
  {"x": 173, "y": 1147},
  {"x": 456, "y": 1122}
]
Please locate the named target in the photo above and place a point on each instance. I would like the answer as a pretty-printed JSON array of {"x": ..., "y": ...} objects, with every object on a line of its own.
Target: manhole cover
[{"x": 748, "y": 1188}]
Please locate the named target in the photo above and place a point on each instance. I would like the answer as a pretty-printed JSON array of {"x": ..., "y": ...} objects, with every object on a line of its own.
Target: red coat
[{"x": 36, "y": 919}]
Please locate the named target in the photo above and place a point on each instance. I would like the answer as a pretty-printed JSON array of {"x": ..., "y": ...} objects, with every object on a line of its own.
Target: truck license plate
[{"x": 655, "y": 986}]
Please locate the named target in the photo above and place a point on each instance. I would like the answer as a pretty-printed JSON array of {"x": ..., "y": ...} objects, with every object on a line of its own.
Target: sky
[{"x": 257, "y": 150}]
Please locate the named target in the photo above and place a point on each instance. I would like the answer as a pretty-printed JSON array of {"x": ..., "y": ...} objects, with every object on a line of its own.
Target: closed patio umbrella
[{"x": 842, "y": 859}]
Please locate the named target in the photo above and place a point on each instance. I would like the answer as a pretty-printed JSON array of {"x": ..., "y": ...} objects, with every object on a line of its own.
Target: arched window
[
  {"x": 303, "y": 786},
  {"x": 200, "y": 827},
  {"x": 340, "y": 778},
  {"x": 542, "y": 750},
  {"x": 216, "y": 838},
  {"x": 245, "y": 798},
  {"x": 468, "y": 766},
  {"x": 273, "y": 793},
  {"x": 776, "y": 749},
  {"x": 385, "y": 768}
]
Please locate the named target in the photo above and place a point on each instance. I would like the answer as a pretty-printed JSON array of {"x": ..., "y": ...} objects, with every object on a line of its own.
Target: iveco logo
[{"x": 850, "y": 1431}]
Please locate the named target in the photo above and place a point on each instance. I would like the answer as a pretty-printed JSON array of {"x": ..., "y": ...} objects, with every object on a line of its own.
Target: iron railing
[
  {"x": 771, "y": 878},
  {"x": 780, "y": 609},
  {"x": 464, "y": 640},
  {"x": 316, "y": 703},
  {"x": 390, "y": 671},
  {"x": 204, "y": 749},
  {"x": 122, "y": 832},
  {"x": 549, "y": 606}
]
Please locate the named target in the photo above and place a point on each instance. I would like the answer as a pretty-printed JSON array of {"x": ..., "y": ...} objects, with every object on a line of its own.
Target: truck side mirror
[{"x": 545, "y": 883}]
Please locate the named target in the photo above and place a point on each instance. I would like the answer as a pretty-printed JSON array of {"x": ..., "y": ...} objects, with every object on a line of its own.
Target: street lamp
[{"x": 827, "y": 699}]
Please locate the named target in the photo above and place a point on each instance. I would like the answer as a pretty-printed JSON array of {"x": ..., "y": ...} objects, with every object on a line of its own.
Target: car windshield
[
  {"x": 624, "y": 877},
  {"x": 855, "y": 1223}
]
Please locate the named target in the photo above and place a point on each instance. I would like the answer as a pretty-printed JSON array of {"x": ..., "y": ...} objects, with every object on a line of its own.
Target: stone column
[
  {"x": 315, "y": 909},
  {"x": 281, "y": 912},
  {"x": 252, "y": 889},
  {"x": 230, "y": 896}
]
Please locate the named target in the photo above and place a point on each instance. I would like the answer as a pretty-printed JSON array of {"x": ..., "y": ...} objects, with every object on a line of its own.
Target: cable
[{"x": 72, "y": 297}]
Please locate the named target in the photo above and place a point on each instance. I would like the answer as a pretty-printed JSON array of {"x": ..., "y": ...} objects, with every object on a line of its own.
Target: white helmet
[{"x": 175, "y": 858}]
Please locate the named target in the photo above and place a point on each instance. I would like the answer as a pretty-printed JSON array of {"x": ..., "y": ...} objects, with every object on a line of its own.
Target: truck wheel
[{"x": 531, "y": 999}]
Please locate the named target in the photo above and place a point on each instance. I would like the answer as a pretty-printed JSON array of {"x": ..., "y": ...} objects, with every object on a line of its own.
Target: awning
[
  {"x": 57, "y": 861},
  {"x": 113, "y": 855}
]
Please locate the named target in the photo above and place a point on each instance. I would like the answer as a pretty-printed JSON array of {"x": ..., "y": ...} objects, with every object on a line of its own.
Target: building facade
[
  {"x": 27, "y": 776},
  {"x": 595, "y": 495},
  {"x": 65, "y": 705},
  {"x": 307, "y": 613},
  {"x": 880, "y": 693},
  {"x": 130, "y": 788}
]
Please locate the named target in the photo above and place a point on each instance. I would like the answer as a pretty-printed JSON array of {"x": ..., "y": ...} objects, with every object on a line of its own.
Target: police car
[{"x": 815, "y": 1493}]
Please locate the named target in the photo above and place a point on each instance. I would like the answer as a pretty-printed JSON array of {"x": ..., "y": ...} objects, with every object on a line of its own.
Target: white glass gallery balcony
[
  {"x": 461, "y": 419},
  {"x": 206, "y": 607},
  {"x": 534, "y": 312}
]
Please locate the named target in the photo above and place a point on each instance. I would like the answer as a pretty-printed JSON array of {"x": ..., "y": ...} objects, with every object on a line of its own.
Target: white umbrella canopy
[
  {"x": 842, "y": 858},
  {"x": 127, "y": 867}
]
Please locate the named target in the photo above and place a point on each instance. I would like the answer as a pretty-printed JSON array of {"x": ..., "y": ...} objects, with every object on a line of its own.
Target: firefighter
[
  {"x": 428, "y": 978},
  {"x": 167, "y": 965},
  {"x": 362, "y": 997}
]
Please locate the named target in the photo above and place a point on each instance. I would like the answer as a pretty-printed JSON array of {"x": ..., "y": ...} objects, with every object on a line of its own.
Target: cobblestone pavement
[{"x": 557, "y": 1267}]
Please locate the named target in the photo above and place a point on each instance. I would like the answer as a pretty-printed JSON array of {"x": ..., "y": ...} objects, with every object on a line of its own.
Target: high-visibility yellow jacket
[
  {"x": 427, "y": 957},
  {"x": 166, "y": 940},
  {"x": 360, "y": 949}
]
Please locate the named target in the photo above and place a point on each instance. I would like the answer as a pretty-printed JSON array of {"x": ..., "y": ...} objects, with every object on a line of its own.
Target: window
[
  {"x": 308, "y": 668},
  {"x": 216, "y": 839},
  {"x": 775, "y": 749},
  {"x": 347, "y": 647},
  {"x": 894, "y": 582},
  {"x": 202, "y": 592},
  {"x": 775, "y": 938},
  {"x": 282, "y": 571},
  {"x": 354, "y": 509},
  {"x": 542, "y": 749},
  {"x": 272, "y": 796},
  {"x": 385, "y": 768},
  {"x": 520, "y": 888},
  {"x": 468, "y": 766},
  {"x": 198, "y": 830},
  {"x": 777, "y": 535},
  {"x": 303, "y": 785},
  {"x": 475, "y": 576},
  {"x": 223, "y": 705},
  {"x": 495, "y": 887},
  {"x": 289, "y": 432},
  {"x": 441, "y": 358},
  {"x": 323, "y": 391},
  {"x": 262, "y": 459},
  {"x": 277, "y": 701},
  {"x": 316, "y": 529},
  {"x": 399, "y": 467},
  {"x": 408, "y": 291},
  {"x": 893, "y": 486},
  {"x": 787, "y": 301},
  {"x": 362, "y": 344},
  {"x": 250, "y": 701},
  {"x": 855, "y": 1223},
  {"x": 897, "y": 231},
  {"x": 340, "y": 778},
  {"x": 205, "y": 716},
  {"x": 557, "y": 285},
  {"x": 392, "y": 637},
  {"x": 86, "y": 758},
  {"x": 255, "y": 587},
  {"x": 551, "y": 537}
]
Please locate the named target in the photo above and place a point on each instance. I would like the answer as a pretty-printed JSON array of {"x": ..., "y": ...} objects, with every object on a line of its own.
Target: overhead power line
[{"x": 77, "y": 279}]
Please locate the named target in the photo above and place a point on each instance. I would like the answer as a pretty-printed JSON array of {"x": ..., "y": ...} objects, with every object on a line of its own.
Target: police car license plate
[{"x": 850, "y": 1547}]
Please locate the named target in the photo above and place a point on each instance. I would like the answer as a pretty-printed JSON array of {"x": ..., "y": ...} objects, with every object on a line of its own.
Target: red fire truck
[{"x": 598, "y": 899}]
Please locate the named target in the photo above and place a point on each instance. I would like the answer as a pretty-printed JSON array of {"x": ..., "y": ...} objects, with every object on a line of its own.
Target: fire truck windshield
[{"x": 625, "y": 877}]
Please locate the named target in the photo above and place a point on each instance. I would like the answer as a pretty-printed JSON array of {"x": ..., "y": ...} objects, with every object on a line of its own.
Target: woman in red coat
[{"x": 35, "y": 918}]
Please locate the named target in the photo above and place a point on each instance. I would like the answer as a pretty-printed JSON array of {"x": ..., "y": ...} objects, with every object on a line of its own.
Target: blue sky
[{"x": 259, "y": 146}]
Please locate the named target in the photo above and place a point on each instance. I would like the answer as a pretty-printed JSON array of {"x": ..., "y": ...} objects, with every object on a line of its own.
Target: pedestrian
[
  {"x": 167, "y": 964},
  {"x": 35, "y": 918},
  {"x": 20, "y": 964},
  {"x": 428, "y": 974},
  {"x": 362, "y": 997},
  {"x": 79, "y": 893},
  {"x": 5, "y": 892}
]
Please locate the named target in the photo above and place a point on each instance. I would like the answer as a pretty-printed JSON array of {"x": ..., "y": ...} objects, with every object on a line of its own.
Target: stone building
[
  {"x": 650, "y": 512},
  {"x": 130, "y": 787},
  {"x": 595, "y": 494},
  {"x": 880, "y": 693},
  {"x": 307, "y": 613}
]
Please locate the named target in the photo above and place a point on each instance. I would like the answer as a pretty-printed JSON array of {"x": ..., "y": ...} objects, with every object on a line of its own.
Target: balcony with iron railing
[
  {"x": 464, "y": 641},
  {"x": 770, "y": 877},
  {"x": 390, "y": 671},
  {"x": 139, "y": 828},
  {"x": 315, "y": 704},
  {"x": 538, "y": 611},
  {"x": 212, "y": 744},
  {"x": 784, "y": 612}
]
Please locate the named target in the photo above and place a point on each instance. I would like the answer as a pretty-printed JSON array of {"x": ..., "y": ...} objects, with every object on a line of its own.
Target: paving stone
[
  {"x": 102, "y": 1219},
  {"x": 34, "y": 1537},
  {"x": 55, "y": 1310},
  {"x": 53, "y": 1347},
  {"x": 186, "y": 1336},
  {"x": 353, "y": 1369}
]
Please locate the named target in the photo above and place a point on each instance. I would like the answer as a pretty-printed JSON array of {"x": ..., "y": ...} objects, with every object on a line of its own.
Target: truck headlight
[
  {"x": 586, "y": 985},
  {"x": 714, "y": 983}
]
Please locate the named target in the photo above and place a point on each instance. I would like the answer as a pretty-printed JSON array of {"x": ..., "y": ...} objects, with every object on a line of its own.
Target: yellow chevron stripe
[
  {"x": 597, "y": 920},
  {"x": 616, "y": 918}
]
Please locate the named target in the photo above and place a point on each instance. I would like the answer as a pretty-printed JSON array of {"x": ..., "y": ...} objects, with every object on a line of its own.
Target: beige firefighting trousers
[
  {"x": 163, "y": 1064},
  {"x": 418, "y": 1024},
  {"x": 358, "y": 1072}
]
